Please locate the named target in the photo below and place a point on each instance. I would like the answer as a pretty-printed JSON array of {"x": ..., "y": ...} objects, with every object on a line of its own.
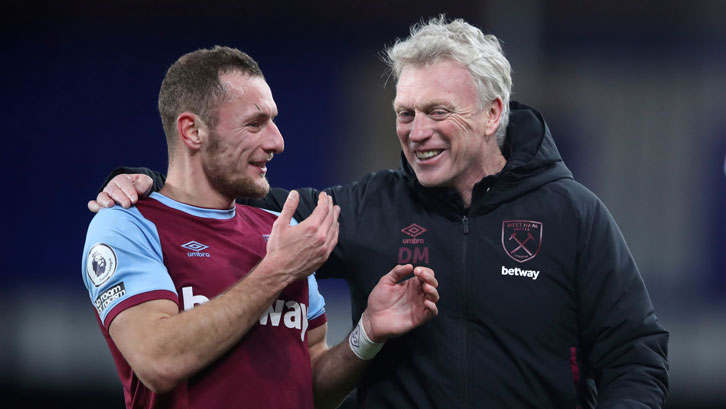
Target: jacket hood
[{"x": 532, "y": 161}]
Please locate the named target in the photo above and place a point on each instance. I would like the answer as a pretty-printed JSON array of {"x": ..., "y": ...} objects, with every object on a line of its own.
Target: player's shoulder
[
  {"x": 264, "y": 216},
  {"x": 117, "y": 223},
  {"x": 116, "y": 216}
]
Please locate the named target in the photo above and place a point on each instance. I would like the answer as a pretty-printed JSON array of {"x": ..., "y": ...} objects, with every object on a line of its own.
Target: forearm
[
  {"x": 335, "y": 373},
  {"x": 395, "y": 306},
  {"x": 214, "y": 327},
  {"x": 176, "y": 346}
]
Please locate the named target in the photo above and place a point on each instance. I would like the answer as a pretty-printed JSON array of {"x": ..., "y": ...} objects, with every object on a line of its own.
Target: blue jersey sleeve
[
  {"x": 316, "y": 301},
  {"x": 122, "y": 259}
]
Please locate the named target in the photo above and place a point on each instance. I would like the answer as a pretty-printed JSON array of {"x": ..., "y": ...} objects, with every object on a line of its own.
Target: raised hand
[
  {"x": 299, "y": 250},
  {"x": 124, "y": 190},
  {"x": 396, "y": 307}
]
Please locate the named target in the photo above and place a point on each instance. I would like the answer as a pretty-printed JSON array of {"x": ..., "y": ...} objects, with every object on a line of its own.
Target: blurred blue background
[{"x": 634, "y": 93}]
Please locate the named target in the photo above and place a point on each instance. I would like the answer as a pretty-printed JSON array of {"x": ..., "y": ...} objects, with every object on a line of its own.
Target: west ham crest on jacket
[{"x": 521, "y": 239}]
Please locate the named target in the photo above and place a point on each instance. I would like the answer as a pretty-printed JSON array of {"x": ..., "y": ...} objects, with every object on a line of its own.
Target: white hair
[{"x": 461, "y": 42}]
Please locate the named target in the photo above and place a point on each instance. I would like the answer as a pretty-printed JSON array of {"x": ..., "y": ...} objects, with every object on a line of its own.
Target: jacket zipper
[{"x": 465, "y": 315}]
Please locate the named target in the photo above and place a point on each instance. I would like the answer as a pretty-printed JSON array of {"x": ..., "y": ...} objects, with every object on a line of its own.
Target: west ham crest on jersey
[
  {"x": 521, "y": 239},
  {"x": 101, "y": 263}
]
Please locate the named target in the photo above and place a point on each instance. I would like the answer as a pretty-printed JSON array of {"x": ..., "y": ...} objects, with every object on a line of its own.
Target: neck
[
  {"x": 493, "y": 164},
  {"x": 186, "y": 182}
]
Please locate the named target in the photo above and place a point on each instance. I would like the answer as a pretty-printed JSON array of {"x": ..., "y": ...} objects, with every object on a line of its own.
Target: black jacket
[{"x": 542, "y": 304}]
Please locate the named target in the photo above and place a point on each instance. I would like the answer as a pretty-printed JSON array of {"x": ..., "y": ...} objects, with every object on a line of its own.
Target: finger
[
  {"x": 126, "y": 187},
  {"x": 116, "y": 195},
  {"x": 288, "y": 209},
  {"x": 93, "y": 206},
  {"x": 336, "y": 217},
  {"x": 318, "y": 215},
  {"x": 104, "y": 200},
  {"x": 426, "y": 275},
  {"x": 431, "y": 308},
  {"x": 398, "y": 273},
  {"x": 330, "y": 221},
  {"x": 431, "y": 292},
  {"x": 121, "y": 184},
  {"x": 143, "y": 184},
  {"x": 333, "y": 229},
  {"x": 331, "y": 207}
]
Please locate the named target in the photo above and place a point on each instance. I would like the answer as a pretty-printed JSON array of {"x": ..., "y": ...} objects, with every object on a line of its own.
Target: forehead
[
  {"x": 251, "y": 91},
  {"x": 445, "y": 80}
]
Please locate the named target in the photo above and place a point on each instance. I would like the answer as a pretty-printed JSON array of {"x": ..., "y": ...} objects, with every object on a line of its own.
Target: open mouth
[
  {"x": 425, "y": 155},
  {"x": 262, "y": 165}
]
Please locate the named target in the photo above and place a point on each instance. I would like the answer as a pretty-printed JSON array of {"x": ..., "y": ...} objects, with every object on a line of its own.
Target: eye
[
  {"x": 254, "y": 124},
  {"x": 439, "y": 113},
  {"x": 404, "y": 116}
]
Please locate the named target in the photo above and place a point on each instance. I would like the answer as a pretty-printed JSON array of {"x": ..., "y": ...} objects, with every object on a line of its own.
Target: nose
[
  {"x": 273, "y": 140},
  {"x": 421, "y": 128}
]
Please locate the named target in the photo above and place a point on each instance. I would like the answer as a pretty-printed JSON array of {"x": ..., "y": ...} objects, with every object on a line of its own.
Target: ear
[
  {"x": 494, "y": 114},
  {"x": 191, "y": 129}
]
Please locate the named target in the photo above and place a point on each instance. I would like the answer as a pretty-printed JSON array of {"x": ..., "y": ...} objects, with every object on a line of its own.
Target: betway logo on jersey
[
  {"x": 196, "y": 249},
  {"x": 519, "y": 272},
  {"x": 292, "y": 314},
  {"x": 191, "y": 300}
]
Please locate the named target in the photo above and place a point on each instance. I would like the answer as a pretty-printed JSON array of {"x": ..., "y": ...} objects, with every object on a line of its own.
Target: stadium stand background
[{"x": 634, "y": 92}]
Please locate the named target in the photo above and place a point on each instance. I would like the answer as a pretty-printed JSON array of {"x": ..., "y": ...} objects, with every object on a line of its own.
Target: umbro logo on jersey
[
  {"x": 195, "y": 246},
  {"x": 413, "y": 230},
  {"x": 413, "y": 254},
  {"x": 196, "y": 249}
]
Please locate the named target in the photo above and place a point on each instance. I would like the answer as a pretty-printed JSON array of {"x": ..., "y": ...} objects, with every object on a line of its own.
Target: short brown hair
[{"x": 192, "y": 84}]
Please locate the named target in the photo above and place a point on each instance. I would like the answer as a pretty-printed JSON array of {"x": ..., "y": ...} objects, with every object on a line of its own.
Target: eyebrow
[{"x": 426, "y": 107}]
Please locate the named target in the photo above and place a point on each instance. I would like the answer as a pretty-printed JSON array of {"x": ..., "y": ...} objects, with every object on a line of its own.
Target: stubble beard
[{"x": 223, "y": 174}]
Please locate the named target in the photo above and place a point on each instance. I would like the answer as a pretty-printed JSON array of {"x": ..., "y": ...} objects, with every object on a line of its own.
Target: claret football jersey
[{"x": 164, "y": 249}]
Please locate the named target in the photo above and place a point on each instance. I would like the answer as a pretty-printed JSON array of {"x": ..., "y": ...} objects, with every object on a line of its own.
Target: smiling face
[
  {"x": 446, "y": 136},
  {"x": 245, "y": 138}
]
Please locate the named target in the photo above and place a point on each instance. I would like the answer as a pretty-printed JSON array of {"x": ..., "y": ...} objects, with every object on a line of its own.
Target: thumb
[
  {"x": 398, "y": 273},
  {"x": 288, "y": 209}
]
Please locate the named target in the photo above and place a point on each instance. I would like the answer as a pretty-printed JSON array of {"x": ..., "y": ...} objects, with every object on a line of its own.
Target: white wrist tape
[{"x": 361, "y": 345}]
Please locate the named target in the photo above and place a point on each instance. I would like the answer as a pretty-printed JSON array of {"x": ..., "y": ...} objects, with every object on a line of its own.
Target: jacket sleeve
[{"x": 625, "y": 349}]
